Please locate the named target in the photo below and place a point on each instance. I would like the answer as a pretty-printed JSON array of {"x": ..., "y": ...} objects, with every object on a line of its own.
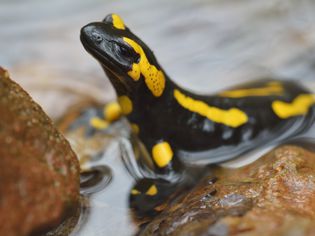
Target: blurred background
[{"x": 204, "y": 45}]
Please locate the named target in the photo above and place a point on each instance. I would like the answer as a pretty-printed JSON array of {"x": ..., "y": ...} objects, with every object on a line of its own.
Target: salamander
[{"x": 176, "y": 125}]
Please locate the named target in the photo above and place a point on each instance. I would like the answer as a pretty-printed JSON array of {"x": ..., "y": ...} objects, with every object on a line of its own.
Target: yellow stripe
[
  {"x": 162, "y": 154},
  {"x": 299, "y": 106},
  {"x": 153, "y": 78},
  {"x": 135, "y": 72},
  {"x": 232, "y": 117},
  {"x": 274, "y": 88},
  {"x": 152, "y": 191},
  {"x": 118, "y": 23}
]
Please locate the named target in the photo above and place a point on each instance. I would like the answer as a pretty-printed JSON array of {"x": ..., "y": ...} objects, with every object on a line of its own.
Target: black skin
[{"x": 188, "y": 133}]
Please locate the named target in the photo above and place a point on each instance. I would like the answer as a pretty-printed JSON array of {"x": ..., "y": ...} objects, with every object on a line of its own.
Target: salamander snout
[{"x": 91, "y": 34}]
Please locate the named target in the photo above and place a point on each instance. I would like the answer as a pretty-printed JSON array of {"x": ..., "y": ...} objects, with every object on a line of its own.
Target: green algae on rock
[{"x": 39, "y": 171}]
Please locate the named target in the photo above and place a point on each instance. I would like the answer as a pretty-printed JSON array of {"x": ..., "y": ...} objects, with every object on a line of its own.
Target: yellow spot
[
  {"x": 232, "y": 117},
  {"x": 135, "y": 128},
  {"x": 152, "y": 190},
  {"x": 153, "y": 77},
  {"x": 118, "y": 23},
  {"x": 273, "y": 88},
  {"x": 299, "y": 106},
  {"x": 135, "y": 192},
  {"x": 162, "y": 154},
  {"x": 125, "y": 104},
  {"x": 98, "y": 123},
  {"x": 112, "y": 111}
]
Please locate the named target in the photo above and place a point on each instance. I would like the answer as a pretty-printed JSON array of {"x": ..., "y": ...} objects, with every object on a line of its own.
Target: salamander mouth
[
  {"x": 107, "y": 64},
  {"x": 102, "y": 58}
]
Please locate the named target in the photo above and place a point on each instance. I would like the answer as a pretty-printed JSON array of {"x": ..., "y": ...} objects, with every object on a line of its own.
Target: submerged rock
[
  {"x": 39, "y": 171},
  {"x": 273, "y": 196}
]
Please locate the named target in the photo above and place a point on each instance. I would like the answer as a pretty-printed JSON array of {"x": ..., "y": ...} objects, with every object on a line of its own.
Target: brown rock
[
  {"x": 39, "y": 171},
  {"x": 273, "y": 196}
]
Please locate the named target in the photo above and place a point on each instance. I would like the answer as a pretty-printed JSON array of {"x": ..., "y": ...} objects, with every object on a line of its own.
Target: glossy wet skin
[
  {"x": 175, "y": 124},
  {"x": 106, "y": 43},
  {"x": 108, "y": 47}
]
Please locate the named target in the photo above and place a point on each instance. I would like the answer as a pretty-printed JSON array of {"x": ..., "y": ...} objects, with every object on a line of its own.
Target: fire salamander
[{"x": 175, "y": 124}]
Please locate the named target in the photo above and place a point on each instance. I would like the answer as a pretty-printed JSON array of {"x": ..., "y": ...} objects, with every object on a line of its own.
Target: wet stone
[
  {"x": 275, "y": 195},
  {"x": 39, "y": 174},
  {"x": 231, "y": 200}
]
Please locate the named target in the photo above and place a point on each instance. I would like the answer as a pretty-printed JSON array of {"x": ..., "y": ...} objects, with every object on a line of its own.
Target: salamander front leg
[
  {"x": 167, "y": 165},
  {"x": 148, "y": 193}
]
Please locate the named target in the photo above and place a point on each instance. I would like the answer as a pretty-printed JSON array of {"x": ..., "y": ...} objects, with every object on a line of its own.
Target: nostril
[{"x": 97, "y": 37}]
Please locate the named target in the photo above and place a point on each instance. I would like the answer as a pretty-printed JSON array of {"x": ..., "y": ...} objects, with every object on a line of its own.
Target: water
[
  {"x": 107, "y": 210},
  {"x": 105, "y": 182},
  {"x": 95, "y": 179}
]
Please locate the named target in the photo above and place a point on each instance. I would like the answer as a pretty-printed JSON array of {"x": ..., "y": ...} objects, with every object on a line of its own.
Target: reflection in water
[
  {"x": 105, "y": 182},
  {"x": 95, "y": 179},
  {"x": 305, "y": 142},
  {"x": 107, "y": 207}
]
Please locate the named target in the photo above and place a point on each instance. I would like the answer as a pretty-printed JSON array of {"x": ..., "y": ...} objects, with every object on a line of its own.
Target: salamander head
[{"x": 122, "y": 54}]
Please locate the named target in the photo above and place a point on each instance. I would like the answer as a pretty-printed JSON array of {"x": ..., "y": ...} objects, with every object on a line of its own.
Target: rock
[
  {"x": 273, "y": 196},
  {"x": 39, "y": 173}
]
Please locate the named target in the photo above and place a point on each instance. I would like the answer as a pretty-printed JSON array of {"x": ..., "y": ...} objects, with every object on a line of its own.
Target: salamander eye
[
  {"x": 97, "y": 37},
  {"x": 128, "y": 52},
  {"x": 125, "y": 51}
]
